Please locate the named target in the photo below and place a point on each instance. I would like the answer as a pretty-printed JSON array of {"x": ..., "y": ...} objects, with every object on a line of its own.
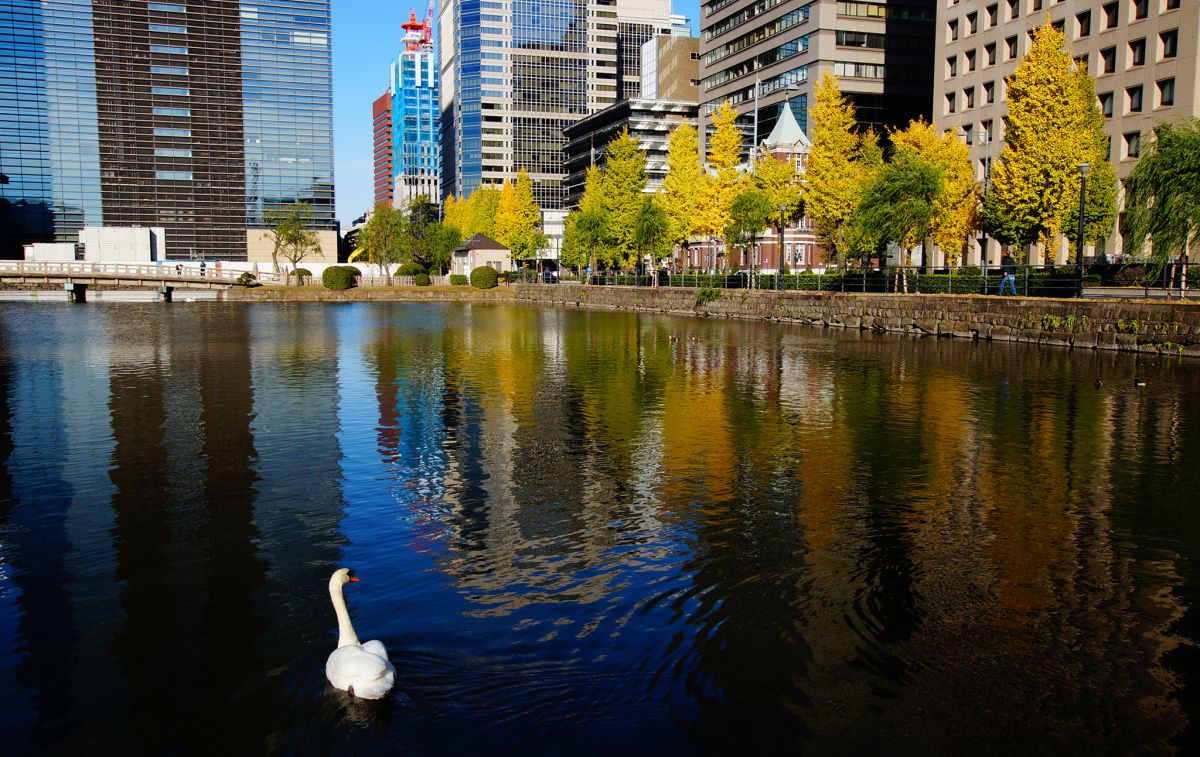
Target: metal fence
[{"x": 1023, "y": 280}]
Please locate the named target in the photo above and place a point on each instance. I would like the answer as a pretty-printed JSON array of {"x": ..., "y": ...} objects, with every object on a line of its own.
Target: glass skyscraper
[
  {"x": 516, "y": 73},
  {"x": 198, "y": 116},
  {"x": 415, "y": 135}
]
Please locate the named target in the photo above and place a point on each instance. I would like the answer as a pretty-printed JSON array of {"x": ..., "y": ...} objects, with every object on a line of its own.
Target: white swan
[{"x": 361, "y": 669}]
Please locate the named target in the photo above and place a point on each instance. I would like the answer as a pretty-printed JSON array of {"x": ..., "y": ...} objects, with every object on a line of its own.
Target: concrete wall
[
  {"x": 123, "y": 244},
  {"x": 259, "y": 246},
  {"x": 1141, "y": 326},
  {"x": 46, "y": 252}
]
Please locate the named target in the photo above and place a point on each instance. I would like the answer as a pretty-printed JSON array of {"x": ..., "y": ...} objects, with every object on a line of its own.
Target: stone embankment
[{"x": 1124, "y": 325}]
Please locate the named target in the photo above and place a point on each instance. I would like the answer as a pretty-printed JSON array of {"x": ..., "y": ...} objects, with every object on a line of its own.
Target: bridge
[{"x": 77, "y": 277}]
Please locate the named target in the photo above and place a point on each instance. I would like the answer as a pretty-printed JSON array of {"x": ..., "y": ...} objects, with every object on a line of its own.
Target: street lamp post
[
  {"x": 782, "y": 221},
  {"x": 1083, "y": 172}
]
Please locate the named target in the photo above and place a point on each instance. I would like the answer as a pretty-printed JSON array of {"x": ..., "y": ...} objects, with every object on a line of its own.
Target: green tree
[
  {"x": 419, "y": 218},
  {"x": 651, "y": 231},
  {"x": 1162, "y": 195},
  {"x": 384, "y": 236},
  {"x": 1100, "y": 202},
  {"x": 590, "y": 228},
  {"x": 957, "y": 209},
  {"x": 1036, "y": 179},
  {"x": 683, "y": 186},
  {"x": 833, "y": 179},
  {"x": 750, "y": 215},
  {"x": 903, "y": 200},
  {"x": 442, "y": 241},
  {"x": 290, "y": 236},
  {"x": 624, "y": 180}
]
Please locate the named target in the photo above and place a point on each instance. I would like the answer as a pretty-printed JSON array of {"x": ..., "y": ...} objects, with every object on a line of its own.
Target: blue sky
[{"x": 366, "y": 35}]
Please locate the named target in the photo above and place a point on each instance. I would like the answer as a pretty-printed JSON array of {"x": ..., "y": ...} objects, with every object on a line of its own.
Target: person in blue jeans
[{"x": 1008, "y": 267}]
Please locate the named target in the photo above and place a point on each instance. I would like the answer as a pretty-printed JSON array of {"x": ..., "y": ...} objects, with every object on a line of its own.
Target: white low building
[
  {"x": 113, "y": 244},
  {"x": 50, "y": 252},
  {"x": 480, "y": 250}
]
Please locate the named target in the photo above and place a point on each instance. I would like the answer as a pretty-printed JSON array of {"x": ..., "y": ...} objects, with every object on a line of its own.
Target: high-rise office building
[
  {"x": 416, "y": 140},
  {"x": 197, "y": 116},
  {"x": 1143, "y": 54},
  {"x": 765, "y": 53},
  {"x": 381, "y": 146},
  {"x": 515, "y": 73}
]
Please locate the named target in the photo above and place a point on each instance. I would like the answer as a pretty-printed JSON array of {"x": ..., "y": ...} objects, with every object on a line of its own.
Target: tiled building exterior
[
  {"x": 381, "y": 147},
  {"x": 1143, "y": 55}
]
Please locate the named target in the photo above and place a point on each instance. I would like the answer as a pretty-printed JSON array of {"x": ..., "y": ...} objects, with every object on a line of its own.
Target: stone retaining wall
[
  {"x": 1125, "y": 325},
  {"x": 372, "y": 294}
]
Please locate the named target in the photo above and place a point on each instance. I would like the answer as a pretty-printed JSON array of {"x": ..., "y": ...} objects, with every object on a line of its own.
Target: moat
[{"x": 588, "y": 532}]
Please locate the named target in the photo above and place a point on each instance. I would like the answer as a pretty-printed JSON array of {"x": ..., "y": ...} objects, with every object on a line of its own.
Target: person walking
[
  {"x": 1008, "y": 267},
  {"x": 202, "y": 267}
]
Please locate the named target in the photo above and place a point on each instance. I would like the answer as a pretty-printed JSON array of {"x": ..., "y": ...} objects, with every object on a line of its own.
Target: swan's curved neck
[{"x": 346, "y": 633}]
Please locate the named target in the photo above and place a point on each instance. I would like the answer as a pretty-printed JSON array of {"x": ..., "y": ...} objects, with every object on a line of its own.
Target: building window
[
  {"x": 1137, "y": 52},
  {"x": 989, "y": 92},
  {"x": 993, "y": 15},
  {"x": 1108, "y": 59},
  {"x": 970, "y": 56},
  {"x": 952, "y": 28},
  {"x": 969, "y": 133},
  {"x": 1081, "y": 62},
  {"x": 1112, "y": 15},
  {"x": 1060, "y": 27},
  {"x": 972, "y": 23},
  {"x": 1135, "y": 98},
  {"x": 169, "y": 70},
  {"x": 987, "y": 130},
  {"x": 1133, "y": 144},
  {"x": 1010, "y": 48},
  {"x": 166, "y": 152},
  {"x": 1172, "y": 4},
  {"x": 1083, "y": 23},
  {"x": 172, "y": 112},
  {"x": 172, "y": 132},
  {"x": 170, "y": 91},
  {"x": 990, "y": 51},
  {"x": 1170, "y": 43},
  {"x": 168, "y": 49},
  {"x": 173, "y": 175},
  {"x": 950, "y": 104},
  {"x": 1166, "y": 92},
  {"x": 952, "y": 66},
  {"x": 1036, "y": 5},
  {"x": 1106, "y": 104},
  {"x": 969, "y": 98},
  {"x": 1014, "y": 9},
  {"x": 1141, "y": 9}
]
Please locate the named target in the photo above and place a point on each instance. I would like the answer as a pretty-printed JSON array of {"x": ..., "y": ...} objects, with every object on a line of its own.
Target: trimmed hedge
[
  {"x": 302, "y": 272},
  {"x": 339, "y": 277},
  {"x": 483, "y": 277},
  {"x": 458, "y": 279},
  {"x": 410, "y": 269},
  {"x": 422, "y": 280}
]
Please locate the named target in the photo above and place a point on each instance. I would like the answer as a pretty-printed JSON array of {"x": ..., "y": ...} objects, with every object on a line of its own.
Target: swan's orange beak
[{"x": 353, "y": 579}]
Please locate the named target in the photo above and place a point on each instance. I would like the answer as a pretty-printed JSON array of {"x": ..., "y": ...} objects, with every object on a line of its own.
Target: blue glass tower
[
  {"x": 416, "y": 153},
  {"x": 198, "y": 116}
]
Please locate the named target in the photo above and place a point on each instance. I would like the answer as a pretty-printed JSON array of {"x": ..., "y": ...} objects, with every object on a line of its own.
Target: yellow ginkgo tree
[{"x": 956, "y": 208}]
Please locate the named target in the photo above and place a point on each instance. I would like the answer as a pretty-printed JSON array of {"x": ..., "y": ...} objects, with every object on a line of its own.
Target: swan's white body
[{"x": 361, "y": 669}]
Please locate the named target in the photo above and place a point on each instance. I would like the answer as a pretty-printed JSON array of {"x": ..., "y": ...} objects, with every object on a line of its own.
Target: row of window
[
  {"x": 1167, "y": 50},
  {"x": 969, "y": 24},
  {"x": 1165, "y": 89}
]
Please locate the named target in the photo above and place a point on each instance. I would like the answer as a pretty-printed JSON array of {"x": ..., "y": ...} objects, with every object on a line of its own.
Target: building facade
[
  {"x": 1142, "y": 54},
  {"x": 649, "y": 122},
  {"x": 416, "y": 145},
  {"x": 197, "y": 117},
  {"x": 671, "y": 68},
  {"x": 763, "y": 55},
  {"x": 515, "y": 73},
  {"x": 381, "y": 148}
]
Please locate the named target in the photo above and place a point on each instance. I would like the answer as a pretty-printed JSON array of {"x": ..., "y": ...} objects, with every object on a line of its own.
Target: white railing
[{"x": 165, "y": 271}]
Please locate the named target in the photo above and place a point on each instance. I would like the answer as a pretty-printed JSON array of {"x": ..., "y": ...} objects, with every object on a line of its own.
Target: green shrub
[
  {"x": 483, "y": 277},
  {"x": 422, "y": 280},
  {"x": 247, "y": 279},
  {"x": 302, "y": 272},
  {"x": 410, "y": 269},
  {"x": 338, "y": 277},
  {"x": 705, "y": 295},
  {"x": 353, "y": 270},
  {"x": 458, "y": 279}
]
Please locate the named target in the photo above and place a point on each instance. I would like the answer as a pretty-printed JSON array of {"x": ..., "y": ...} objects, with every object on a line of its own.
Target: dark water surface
[{"x": 578, "y": 536}]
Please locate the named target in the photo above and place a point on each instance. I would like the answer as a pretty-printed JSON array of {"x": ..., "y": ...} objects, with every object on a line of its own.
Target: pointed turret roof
[{"x": 787, "y": 132}]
